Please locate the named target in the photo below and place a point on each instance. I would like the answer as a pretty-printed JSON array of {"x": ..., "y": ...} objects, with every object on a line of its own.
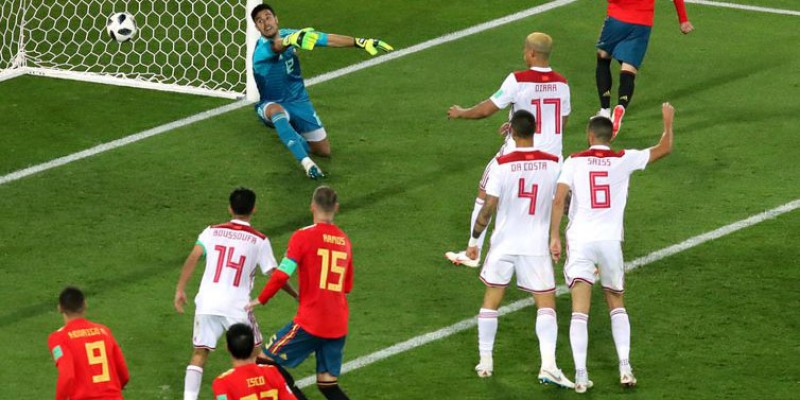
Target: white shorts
[
  {"x": 209, "y": 328},
  {"x": 534, "y": 273},
  {"x": 605, "y": 257}
]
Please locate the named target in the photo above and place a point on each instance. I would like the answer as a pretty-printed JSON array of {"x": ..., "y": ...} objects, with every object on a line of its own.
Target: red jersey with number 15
[
  {"x": 325, "y": 263},
  {"x": 90, "y": 363},
  {"x": 641, "y": 12}
]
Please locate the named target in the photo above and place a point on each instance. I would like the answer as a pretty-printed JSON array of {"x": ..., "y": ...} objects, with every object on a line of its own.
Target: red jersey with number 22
[
  {"x": 325, "y": 263},
  {"x": 251, "y": 382}
]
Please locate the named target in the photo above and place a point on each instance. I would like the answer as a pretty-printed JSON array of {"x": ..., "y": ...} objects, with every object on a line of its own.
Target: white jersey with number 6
[
  {"x": 524, "y": 182},
  {"x": 232, "y": 251},
  {"x": 599, "y": 180},
  {"x": 545, "y": 94}
]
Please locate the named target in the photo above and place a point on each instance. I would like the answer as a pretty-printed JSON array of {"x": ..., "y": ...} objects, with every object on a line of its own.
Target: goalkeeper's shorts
[{"x": 302, "y": 116}]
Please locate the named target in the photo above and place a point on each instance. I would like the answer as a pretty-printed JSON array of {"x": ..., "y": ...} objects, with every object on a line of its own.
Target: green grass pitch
[{"x": 714, "y": 322}]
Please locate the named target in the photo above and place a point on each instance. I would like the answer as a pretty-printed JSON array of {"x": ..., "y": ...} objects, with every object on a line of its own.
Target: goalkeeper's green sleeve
[
  {"x": 372, "y": 46},
  {"x": 304, "y": 39}
]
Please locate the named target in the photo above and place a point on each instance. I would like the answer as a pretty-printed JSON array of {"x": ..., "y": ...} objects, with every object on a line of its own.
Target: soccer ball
[{"x": 121, "y": 27}]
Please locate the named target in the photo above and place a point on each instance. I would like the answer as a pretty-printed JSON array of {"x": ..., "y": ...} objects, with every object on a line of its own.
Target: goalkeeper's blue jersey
[{"x": 278, "y": 76}]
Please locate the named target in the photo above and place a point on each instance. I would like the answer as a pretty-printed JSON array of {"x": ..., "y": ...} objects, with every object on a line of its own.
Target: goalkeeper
[{"x": 284, "y": 104}]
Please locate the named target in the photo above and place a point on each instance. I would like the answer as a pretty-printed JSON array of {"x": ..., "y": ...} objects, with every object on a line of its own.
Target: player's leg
[
  {"x": 612, "y": 276},
  {"x": 306, "y": 121},
  {"x": 289, "y": 347},
  {"x": 535, "y": 275},
  {"x": 207, "y": 331},
  {"x": 630, "y": 52},
  {"x": 610, "y": 35},
  {"x": 277, "y": 116},
  {"x": 579, "y": 273},
  {"x": 460, "y": 258},
  {"x": 329, "y": 366},
  {"x": 496, "y": 274}
]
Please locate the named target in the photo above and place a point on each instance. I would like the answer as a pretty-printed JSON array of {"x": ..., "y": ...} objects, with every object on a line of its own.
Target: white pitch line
[
  {"x": 310, "y": 82},
  {"x": 745, "y": 7},
  {"x": 424, "y": 339}
]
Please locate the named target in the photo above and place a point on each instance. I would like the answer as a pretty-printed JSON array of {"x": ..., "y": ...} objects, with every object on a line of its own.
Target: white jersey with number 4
[
  {"x": 599, "y": 180},
  {"x": 545, "y": 94},
  {"x": 232, "y": 252},
  {"x": 524, "y": 182}
]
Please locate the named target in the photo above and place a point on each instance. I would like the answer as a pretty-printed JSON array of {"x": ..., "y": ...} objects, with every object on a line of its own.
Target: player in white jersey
[
  {"x": 520, "y": 189},
  {"x": 598, "y": 179},
  {"x": 539, "y": 90},
  {"x": 232, "y": 251}
]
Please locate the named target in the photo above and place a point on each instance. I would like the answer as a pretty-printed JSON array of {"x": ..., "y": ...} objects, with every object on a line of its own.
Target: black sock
[
  {"x": 603, "y": 78},
  {"x": 332, "y": 391},
  {"x": 289, "y": 380},
  {"x": 626, "y": 87}
]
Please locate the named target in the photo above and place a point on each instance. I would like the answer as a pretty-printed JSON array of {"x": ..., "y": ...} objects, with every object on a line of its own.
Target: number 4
[{"x": 529, "y": 195}]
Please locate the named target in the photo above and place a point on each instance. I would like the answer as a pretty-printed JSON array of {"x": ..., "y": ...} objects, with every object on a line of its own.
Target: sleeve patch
[
  {"x": 222, "y": 397},
  {"x": 288, "y": 266},
  {"x": 57, "y": 353},
  {"x": 497, "y": 94}
]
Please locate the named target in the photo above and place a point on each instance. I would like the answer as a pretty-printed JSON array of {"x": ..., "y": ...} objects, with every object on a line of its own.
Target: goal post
[{"x": 200, "y": 47}]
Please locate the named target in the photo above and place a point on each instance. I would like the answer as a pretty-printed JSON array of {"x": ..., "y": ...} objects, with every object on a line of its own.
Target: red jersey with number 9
[
  {"x": 89, "y": 360},
  {"x": 325, "y": 264}
]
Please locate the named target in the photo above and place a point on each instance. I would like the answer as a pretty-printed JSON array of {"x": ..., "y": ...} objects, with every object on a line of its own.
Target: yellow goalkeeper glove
[
  {"x": 371, "y": 46},
  {"x": 305, "y": 39}
]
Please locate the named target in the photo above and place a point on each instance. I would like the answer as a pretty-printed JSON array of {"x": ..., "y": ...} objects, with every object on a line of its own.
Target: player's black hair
[
  {"x": 325, "y": 198},
  {"x": 523, "y": 123},
  {"x": 259, "y": 8},
  {"x": 601, "y": 127},
  {"x": 71, "y": 300},
  {"x": 242, "y": 201},
  {"x": 240, "y": 341}
]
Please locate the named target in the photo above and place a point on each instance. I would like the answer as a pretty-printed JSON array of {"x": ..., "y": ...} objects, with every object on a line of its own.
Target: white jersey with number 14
[
  {"x": 599, "y": 180},
  {"x": 232, "y": 252}
]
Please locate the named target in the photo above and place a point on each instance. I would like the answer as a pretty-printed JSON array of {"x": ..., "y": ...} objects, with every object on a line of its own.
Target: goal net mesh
[{"x": 198, "y": 43}]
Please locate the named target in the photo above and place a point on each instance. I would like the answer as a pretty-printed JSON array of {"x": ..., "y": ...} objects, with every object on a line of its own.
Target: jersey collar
[
  {"x": 240, "y": 222},
  {"x": 600, "y": 147},
  {"x": 542, "y": 69}
]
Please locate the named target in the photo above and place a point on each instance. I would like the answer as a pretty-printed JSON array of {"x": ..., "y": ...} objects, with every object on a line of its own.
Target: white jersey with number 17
[
  {"x": 599, "y": 180},
  {"x": 545, "y": 94},
  {"x": 524, "y": 182},
  {"x": 232, "y": 252}
]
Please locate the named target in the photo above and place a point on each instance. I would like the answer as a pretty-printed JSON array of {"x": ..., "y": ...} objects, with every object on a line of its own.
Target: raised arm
[
  {"x": 555, "y": 220},
  {"x": 186, "y": 273},
  {"x": 664, "y": 145}
]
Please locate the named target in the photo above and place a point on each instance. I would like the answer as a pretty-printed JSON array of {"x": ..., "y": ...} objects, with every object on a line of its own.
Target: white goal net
[{"x": 197, "y": 46}]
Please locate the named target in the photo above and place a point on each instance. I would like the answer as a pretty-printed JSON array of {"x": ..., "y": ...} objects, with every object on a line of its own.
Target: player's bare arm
[
  {"x": 186, "y": 273},
  {"x": 481, "y": 223},
  {"x": 559, "y": 200},
  {"x": 664, "y": 146},
  {"x": 481, "y": 110}
]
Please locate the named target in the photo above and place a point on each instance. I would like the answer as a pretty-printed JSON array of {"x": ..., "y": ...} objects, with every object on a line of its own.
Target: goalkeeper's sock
[
  {"x": 192, "y": 382},
  {"x": 476, "y": 209},
  {"x": 332, "y": 391},
  {"x": 487, "y": 330},
  {"x": 290, "y": 138},
  {"x": 547, "y": 332},
  {"x": 626, "y": 85},
  {"x": 579, "y": 339},
  {"x": 603, "y": 80},
  {"x": 621, "y": 330}
]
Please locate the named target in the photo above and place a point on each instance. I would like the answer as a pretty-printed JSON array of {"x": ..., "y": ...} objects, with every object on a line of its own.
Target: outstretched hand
[
  {"x": 454, "y": 112},
  {"x": 372, "y": 46},
  {"x": 668, "y": 114},
  {"x": 179, "y": 301},
  {"x": 686, "y": 27},
  {"x": 251, "y": 305}
]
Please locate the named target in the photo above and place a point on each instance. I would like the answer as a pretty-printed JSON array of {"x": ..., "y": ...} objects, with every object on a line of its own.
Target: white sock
[
  {"x": 191, "y": 386},
  {"x": 579, "y": 340},
  {"x": 487, "y": 330},
  {"x": 476, "y": 209},
  {"x": 547, "y": 332},
  {"x": 621, "y": 330}
]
